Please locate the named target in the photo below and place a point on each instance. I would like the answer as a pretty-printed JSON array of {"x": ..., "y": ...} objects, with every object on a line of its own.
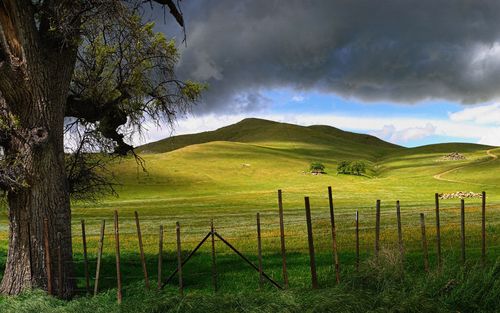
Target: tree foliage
[
  {"x": 344, "y": 167},
  {"x": 358, "y": 168},
  {"x": 353, "y": 168},
  {"x": 124, "y": 76},
  {"x": 317, "y": 167}
]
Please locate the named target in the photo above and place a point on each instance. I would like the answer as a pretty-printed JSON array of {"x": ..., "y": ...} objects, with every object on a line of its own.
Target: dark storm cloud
[{"x": 393, "y": 50}]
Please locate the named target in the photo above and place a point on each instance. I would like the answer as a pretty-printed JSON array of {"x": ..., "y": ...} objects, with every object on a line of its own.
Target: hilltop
[{"x": 265, "y": 132}]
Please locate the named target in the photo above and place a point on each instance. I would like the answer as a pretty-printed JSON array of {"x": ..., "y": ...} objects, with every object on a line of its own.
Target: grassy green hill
[
  {"x": 257, "y": 157},
  {"x": 269, "y": 133},
  {"x": 232, "y": 173}
]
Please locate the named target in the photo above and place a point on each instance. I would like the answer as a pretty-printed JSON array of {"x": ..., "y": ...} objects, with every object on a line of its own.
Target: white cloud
[
  {"x": 390, "y": 133},
  {"x": 492, "y": 137},
  {"x": 298, "y": 98},
  {"x": 486, "y": 114}
]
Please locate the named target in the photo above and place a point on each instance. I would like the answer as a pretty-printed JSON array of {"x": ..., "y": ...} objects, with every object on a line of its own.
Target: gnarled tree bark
[
  {"x": 34, "y": 86},
  {"x": 38, "y": 50}
]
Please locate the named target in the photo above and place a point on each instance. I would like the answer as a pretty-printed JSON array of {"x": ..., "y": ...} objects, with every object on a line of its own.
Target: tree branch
[
  {"x": 87, "y": 173},
  {"x": 173, "y": 10},
  {"x": 82, "y": 108},
  {"x": 108, "y": 116}
]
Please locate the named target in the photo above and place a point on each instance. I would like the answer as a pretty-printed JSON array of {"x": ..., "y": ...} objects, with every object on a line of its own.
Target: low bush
[
  {"x": 351, "y": 168},
  {"x": 317, "y": 168}
]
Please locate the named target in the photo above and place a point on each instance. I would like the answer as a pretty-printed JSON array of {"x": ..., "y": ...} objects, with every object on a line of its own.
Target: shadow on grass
[{"x": 378, "y": 286}]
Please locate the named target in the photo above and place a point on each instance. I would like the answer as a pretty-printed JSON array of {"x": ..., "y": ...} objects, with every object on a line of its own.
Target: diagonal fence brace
[
  {"x": 247, "y": 260},
  {"x": 231, "y": 247},
  {"x": 187, "y": 259}
]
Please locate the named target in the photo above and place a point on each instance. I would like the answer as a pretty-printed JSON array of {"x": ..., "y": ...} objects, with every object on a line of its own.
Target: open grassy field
[{"x": 231, "y": 174}]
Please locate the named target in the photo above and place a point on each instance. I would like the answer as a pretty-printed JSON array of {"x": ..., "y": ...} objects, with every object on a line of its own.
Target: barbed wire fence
[{"x": 313, "y": 246}]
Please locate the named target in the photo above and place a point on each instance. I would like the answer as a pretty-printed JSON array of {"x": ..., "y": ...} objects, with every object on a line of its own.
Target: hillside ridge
[{"x": 255, "y": 130}]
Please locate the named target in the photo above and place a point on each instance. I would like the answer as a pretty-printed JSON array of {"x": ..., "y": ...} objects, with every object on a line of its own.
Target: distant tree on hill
[
  {"x": 344, "y": 167},
  {"x": 317, "y": 167},
  {"x": 358, "y": 168},
  {"x": 353, "y": 168}
]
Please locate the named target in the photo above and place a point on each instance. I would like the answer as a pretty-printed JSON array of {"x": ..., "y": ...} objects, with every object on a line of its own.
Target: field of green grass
[{"x": 231, "y": 174}]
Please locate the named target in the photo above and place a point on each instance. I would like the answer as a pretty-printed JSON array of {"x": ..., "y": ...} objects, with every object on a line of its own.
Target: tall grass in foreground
[{"x": 379, "y": 286}]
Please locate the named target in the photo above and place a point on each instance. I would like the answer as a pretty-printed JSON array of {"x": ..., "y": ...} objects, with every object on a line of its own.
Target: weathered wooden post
[
  {"x": 483, "y": 229},
  {"x": 99, "y": 258},
  {"x": 48, "y": 261},
  {"x": 424, "y": 242},
  {"x": 59, "y": 265},
  {"x": 312, "y": 259},
  {"x": 282, "y": 238},
  {"x": 214, "y": 262},
  {"x": 141, "y": 250},
  {"x": 377, "y": 229},
  {"x": 117, "y": 253},
  {"x": 30, "y": 243},
  {"x": 462, "y": 229},
  {"x": 179, "y": 258},
  {"x": 160, "y": 256},
  {"x": 259, "y": 252},
  {"x": 400, "y": 233},
  {"x": 438, "y": 232},
  {"x": 334, "y": 236},
  {"x": 85, "y": 258},
  {"x": 357, "y": 240}
]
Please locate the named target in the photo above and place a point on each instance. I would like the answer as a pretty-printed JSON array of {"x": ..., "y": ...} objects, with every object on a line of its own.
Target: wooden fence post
[
  {"x": 59, "y": 266},
  {"x": 462, "y": 229},
  {"x": 424, "y": 242},
  {"x": 377, "y": 229},
  {"x": 99, "y": 258},
  {"x": 400, "y": 233},
  {"x": 48, "y": 261},
  {"x": 85, "y": 258},
  {"x": 188, "y": 257},
  {"x": 30, "y": 241},
  {"x": 282, "y": 238},
  {"x": 259, "y": 252},
  {"x": 314, "y": 276},
  {"x": 117, "y": 252},
  {"x": 483, "y": 229},
  {"x": 141, "y": 249},
  {"x": 214, "y": 262},
  {"x": 160, "y": 255},
  {"x": 357, "y": 240},
  {"x": 438, "y": 232},
  {"x": 334, "y": 236},
  {"x": 179, "y": 258}
]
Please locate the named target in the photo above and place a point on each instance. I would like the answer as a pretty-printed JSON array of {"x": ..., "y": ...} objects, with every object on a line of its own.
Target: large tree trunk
[
  {"x": 39, "y": 153},
  {"x": 45, "y": 198},
  {"x": 36, "y": 149},
  {"x": 34, "y": 83}
]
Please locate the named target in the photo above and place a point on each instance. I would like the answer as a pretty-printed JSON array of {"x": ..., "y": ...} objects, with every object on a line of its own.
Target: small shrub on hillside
[
  {"x": 352, "y": 168},
  {"x": 317, "y": 168},
  {"x": 358, "y": 168},
  {"x": 344, "y": 167}
]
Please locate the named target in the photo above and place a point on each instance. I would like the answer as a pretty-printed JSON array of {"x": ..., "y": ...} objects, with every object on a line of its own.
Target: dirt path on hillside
[{"x": 439, "y": 175}]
